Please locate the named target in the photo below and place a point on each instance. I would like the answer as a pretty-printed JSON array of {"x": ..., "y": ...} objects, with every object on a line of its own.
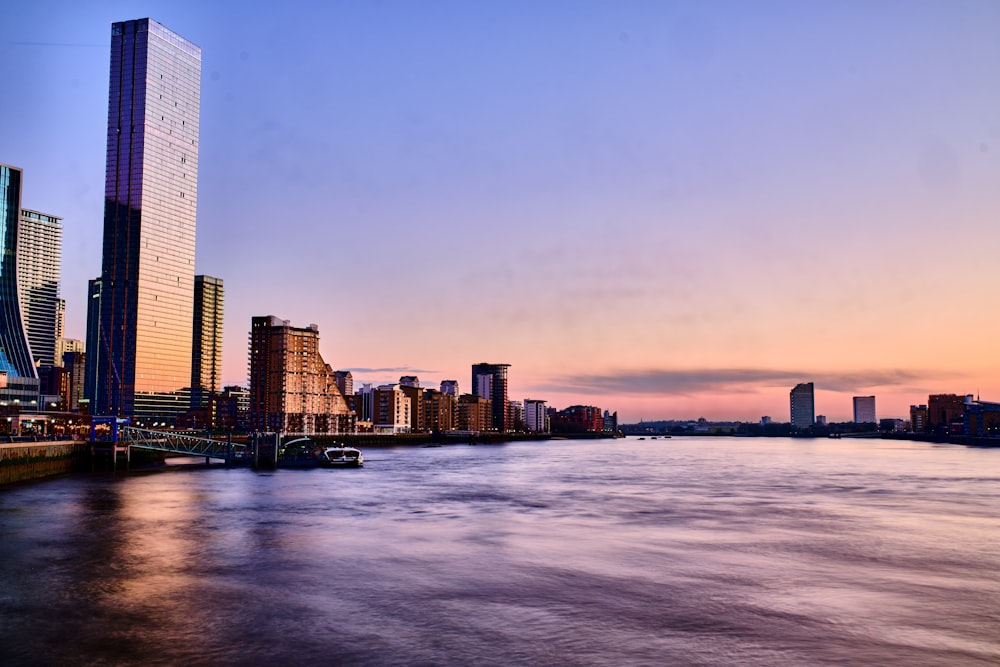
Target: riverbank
[{"x": 24, "y": 461}]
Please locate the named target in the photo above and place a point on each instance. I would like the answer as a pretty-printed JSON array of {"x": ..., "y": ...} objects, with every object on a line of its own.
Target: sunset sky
[{"x": 668, "y": 209}]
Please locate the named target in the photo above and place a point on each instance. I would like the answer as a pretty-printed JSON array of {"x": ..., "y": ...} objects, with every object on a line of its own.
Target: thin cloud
[
  {"x": 399, "y": 369},
  {"x": 731, "y": 380}
]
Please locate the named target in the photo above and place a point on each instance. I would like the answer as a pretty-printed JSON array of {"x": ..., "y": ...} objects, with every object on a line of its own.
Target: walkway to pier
[{"x": 187, "y": 445}]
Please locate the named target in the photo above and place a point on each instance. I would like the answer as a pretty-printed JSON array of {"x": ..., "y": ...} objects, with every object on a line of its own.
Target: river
[{"x": 683, "y": 551}]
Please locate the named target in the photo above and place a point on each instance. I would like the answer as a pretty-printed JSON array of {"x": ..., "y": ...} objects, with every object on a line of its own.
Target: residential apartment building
[
  {"x": 39, "y": 259},
  {"x": 292, "y": 390},
  {"x": 535, "y": 416}
]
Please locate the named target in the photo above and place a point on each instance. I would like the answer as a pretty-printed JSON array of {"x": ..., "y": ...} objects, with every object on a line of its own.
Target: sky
[{"x": 670, "y": 210}]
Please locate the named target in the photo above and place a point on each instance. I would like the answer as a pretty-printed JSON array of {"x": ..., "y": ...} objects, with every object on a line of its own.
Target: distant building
[
  {"x": 292, "y": 390},
  {"x": 475, "y": 413},
  {"x": 890, "y": 425},
  {"x": 391, "y": 410},
  {"x": 71, "y": 393},
  {"x": 206, "y": 346},
  {"x": 39, "y": 259},
  {"x": 440, "y": 410},
  {"x": 765, "y": 420},
  {"x": 64, "y": 345},
  {"x": 821, "y": 420},
  {"x": 918, "y": 418},
  {"x": 345, "y": 382},
  {"x": 610, "y": 422},
  {"x": 18, "y": 376},
  {"x": 489, "y": 381},
  {"x": 803, "y": 407},
  {"x": 450, "y": 387},
  {"x": 515, "y": 416},
  {"x": 577, "y": 419},
  {"x": 413, "y": 392},
  {"x": 231, "y": 408},
  {"x": 864, "y": 410},
  {"x": 945, "y": 413},
  {"x": 982, "y": 419},
  {"x": 535, "y": 418}
]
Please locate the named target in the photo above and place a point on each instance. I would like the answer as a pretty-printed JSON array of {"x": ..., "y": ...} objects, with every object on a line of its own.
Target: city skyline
[{"x": 666, "y": 211}]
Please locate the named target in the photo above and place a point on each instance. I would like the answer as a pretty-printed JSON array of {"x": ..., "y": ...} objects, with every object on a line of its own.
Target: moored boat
[{"x": 341, "y": 456}]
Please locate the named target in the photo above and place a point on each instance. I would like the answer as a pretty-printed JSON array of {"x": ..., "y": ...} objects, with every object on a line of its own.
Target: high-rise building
[
  {"x": 39, "y": 256},
  {"x": 150, "y": 203},
  {"x": 489, "y": 381},
  {"x": 206, "y": 345},
  {"x": 450, "y": 387},
  {"x": 292, "y": 390},
  {"x": 18, "y": 376},
  {"x": 864, "y": 410},
  {"x": 803, "y": 405}
]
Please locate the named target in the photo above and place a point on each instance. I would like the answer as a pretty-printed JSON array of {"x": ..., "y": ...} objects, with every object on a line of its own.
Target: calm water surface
[{"x": 685, "y": 551}]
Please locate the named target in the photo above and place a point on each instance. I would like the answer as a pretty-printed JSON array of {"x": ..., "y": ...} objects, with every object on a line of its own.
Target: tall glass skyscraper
[
  {"x": 151, "y": 192},
  {"x": 39, "y": 259},
  {"x": 18, "y": 377}
]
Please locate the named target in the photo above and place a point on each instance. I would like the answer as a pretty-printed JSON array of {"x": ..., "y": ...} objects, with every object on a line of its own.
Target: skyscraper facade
[
  {"x": 39, "y": 256},
  {"x": 864, "y": 410},
  {"x": 151, "y": 192},
  {"x": 18, "y": 377},
  {"x": 489, "y": 381},
  {"x": 206, "y": 351},
  {"x": 803, "y": 405}
]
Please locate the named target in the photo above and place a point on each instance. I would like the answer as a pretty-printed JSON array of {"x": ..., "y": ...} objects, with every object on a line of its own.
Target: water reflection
[{"x": 685, "y": 552}]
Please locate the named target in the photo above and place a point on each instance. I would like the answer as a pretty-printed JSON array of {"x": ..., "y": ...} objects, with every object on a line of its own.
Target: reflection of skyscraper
[
  {"x": 206, "y": 351},
  {"x": 147, "y": 275},
  {"x": 18, "y": 378},
  {"x": 803, "y": 405},
  {"x": 39, "y": 254},
  {"x": 489, "y": 381}
]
